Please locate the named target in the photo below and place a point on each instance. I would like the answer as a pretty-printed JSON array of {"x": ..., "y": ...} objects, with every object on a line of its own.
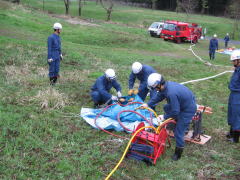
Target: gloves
[
  {"x": 130, "y": 92},
  {"x": 114, "y": 98},
  {"x": 143, "y": 106},
  {"x": 50, "y": 60},
  {"x": 135, "y": 91},
  {"x": 61, "y": 56},
  {"x": 122, "y": 100},
  {"x": 119, "y": 94}
]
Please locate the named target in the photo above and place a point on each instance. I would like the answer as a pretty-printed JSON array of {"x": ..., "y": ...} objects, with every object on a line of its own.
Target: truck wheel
[
  {"x": 165, "y": 39},
  {"x": 178, "y": 40}
]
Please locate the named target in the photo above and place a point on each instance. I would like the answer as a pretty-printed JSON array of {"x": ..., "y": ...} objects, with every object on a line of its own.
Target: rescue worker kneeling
[
  {"x": 181, "y": 106},
  {"x": 100, "y": 90},
  {"x": 234, "y": 99}
]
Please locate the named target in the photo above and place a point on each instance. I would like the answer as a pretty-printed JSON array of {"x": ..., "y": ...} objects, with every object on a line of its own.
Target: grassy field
[{"x": 40, "y": 137}]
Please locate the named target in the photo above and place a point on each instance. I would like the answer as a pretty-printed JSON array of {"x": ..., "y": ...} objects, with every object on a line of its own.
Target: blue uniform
[
  {"x": 142, "y": 76},
  {"x": 234, "y": 101},
  {"x": 180, "y": 106},
  {"x": 54, "y": 52},
  {"x": 100, "y": 90},
  {"x": 226, "y": 39},
  {"x": 213, "y": 46}
]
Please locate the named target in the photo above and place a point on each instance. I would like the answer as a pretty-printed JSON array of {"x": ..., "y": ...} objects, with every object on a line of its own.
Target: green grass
[{"x": 46, "y": 143}]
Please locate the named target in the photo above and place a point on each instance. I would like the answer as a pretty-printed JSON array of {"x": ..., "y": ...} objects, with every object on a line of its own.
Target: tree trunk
[
  {"x": 79, "y": 7},
  {"x": 109, "y": 9},
  {"x": 66, "y": 2}
]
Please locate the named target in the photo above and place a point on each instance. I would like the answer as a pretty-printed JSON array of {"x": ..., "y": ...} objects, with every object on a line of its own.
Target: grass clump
[{"x": 50, "y": 98}]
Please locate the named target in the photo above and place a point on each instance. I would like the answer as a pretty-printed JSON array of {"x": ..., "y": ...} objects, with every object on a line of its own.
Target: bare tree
[
  {"x": 79, "y": 7},
  {"x": 204, "y": 6},
  {"x": 233, "y": 12},
  {"x": 108, "y": 6},
  {"x": 187, "y": 5},
  {"x": 178, "y": 8},
  {"x": 153, "y": 4},
  {"x": 43, "y": 4},
  {"x": 67, "y": 4}
]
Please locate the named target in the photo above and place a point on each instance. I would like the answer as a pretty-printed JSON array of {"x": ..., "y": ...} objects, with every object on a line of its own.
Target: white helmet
[
  {"x": 136, "y": 67},
  {"x": 57, "y": 26},
  {"x": 154, "y": 79},
  {"x": 235, "y": 55},
  {"x": 227, "y": 34},
  {"x": 214, "y": 35},
  {"x": 110, "y": 74}
]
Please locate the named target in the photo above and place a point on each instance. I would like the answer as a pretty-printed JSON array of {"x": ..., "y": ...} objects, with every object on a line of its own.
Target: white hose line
[
  {"x": 203, "y": 79},
  {"x": 198, "y": 57},
  {"x": 206, "y": 63}
]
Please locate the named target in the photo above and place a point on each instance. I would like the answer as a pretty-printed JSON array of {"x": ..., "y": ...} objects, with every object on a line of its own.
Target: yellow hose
[
  {"x": 152, "y": 111},
  {"x": 163, "y": 123},
  {"x": 125, "y": 152},
  {"x": 147, "y": 109}
]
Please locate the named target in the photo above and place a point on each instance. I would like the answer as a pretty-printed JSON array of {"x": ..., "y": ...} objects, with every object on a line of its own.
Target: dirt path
[{"x": 74, "y": 20}]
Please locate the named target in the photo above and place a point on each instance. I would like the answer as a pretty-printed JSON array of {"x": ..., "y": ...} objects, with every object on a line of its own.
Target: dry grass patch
[
  {"x": 24, "y": 74},
  {"x": 75, "y": 76},
  {"x": 50, "y": 98}
]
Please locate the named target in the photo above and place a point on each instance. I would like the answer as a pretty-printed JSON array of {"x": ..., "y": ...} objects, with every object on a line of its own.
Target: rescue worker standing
[
  {"x": 100, "y": 90},
  {"x": 54, "y": 53},
  {"x": 234, "y": 99},
  {"x": 213, "y": 46},
  {"x": 141, "y": 72},
  {"x": 226, "y": 39},
  {"x": 181, "y": 106}
]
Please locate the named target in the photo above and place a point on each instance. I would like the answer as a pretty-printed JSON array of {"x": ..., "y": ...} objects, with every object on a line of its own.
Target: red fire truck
[{"x": 181, "y": 31}]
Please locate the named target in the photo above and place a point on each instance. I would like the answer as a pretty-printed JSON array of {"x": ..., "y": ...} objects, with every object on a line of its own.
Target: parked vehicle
[
  {"x": 155, "y": 29},
  {"x": 181, "y": 31}
]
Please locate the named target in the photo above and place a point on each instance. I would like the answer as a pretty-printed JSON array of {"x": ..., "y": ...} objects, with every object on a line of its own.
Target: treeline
[{"x": 211, "y": 7}]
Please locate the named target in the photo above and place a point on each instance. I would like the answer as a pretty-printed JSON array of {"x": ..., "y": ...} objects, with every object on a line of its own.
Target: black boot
[
  {"x": 236, "y": 135},
  {"x": 230, "y": 133},
  {"x": 178, "y": 153},
  {"x": 55, "y": 79},
  {"x": 51, "y": 81}
]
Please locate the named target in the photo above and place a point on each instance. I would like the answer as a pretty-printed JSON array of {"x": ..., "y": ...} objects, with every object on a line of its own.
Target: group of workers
[
  {"x": 213, "y": 45},
  {"x": 181, "y": 103}
]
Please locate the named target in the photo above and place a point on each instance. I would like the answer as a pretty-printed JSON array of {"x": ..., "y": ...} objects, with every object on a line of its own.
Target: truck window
[
  {"x": 169, "y": 27},
  {"x": 154, "y": 25}
]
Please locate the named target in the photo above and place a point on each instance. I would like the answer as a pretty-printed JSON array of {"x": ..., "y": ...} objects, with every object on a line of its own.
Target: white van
[{"x": 155, "y": 29}]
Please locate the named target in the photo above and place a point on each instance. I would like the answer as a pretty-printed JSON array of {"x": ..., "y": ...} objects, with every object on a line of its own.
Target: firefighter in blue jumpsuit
[
  {"x": 226, "y": 39},
  {"x": 54, "y": 53},
  {"x": 213, "y": 46},
  {"x": 100, "y": 90},
  {"x": 234, "y": 99},
  {"x": 141, "y": 72},
  {"x": 181, "y": 106}
]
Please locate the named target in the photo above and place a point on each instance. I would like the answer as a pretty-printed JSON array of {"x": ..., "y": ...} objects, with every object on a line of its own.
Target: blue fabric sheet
[{"x": 108, "y": 119}]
